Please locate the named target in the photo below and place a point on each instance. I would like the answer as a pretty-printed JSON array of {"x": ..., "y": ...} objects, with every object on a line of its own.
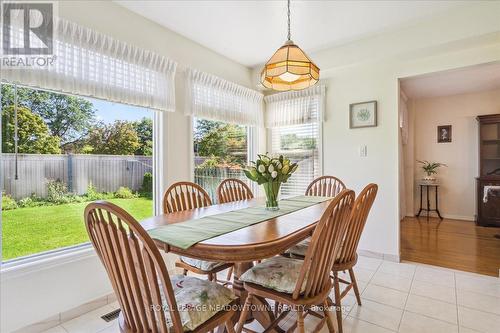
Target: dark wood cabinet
[{"x": 488, "y": 206}]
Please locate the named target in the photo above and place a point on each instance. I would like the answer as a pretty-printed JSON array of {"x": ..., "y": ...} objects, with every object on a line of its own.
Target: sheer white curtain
[
  {"x": 295, "y": 107},
  {"x": 210, "y": 97},
  {"x": 88, "y": 63}
]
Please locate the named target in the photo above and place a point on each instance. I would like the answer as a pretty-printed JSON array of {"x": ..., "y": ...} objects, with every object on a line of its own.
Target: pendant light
[{"x": 289, "y": 68}]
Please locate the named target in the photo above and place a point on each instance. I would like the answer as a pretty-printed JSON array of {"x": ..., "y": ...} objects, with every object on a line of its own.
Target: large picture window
[
  {"x": 220, "y": 152},
  {"x": 301, "y": 144},
  {"x": 60, "y": 152}
]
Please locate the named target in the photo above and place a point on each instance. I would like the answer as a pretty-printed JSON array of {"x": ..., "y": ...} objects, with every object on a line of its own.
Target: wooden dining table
[{"x": 242, "y": 247}]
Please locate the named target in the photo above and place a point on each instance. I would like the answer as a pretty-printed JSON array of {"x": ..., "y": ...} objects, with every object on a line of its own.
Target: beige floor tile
[
  {"x": 391, "y": 281},
  {"x": 399, "y": 269},
  {"x": 432, "y": 308},
  {"x": 378, "y": 314},
  {"x": 486, "y": 278},
  {"x": 415, "y": 323},
  {"x": 90, "y": 322},
  {"x": 466, "y": 330},
  {"x": 57, "y": 329},
  {"x": 361, "y": 274},
  {"x": 435, "y": 276},
  {"x": 355, "y": 325},
  {"x": 434, "y": 291},
  {"x": 478, "y": 320},
  {"x": 480, "y": 284},
  {"x": 111, "y": 329},
  {"x": 478, "y": 301},
  {"x": 368, "y": 263},
  {"x": 385, "y": 296}
]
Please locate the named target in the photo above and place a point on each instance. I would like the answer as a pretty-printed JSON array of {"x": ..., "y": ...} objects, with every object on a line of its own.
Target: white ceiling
[
  {"x": 453, "y": 82},
  {"x": 250, "y": 31}
]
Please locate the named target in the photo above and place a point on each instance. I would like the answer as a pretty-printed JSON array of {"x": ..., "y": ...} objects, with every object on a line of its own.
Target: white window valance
[
  {"x": 210, "y": 97},
  {"x": 295, "y": 107},
  {"x": 88, "y": 63}
]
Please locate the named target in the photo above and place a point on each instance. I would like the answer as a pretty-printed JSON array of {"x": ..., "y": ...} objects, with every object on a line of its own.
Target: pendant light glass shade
[{"x": 289, "y": 69}]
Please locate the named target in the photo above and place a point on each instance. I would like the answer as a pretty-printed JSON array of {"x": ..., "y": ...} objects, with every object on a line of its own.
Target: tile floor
[{"x": 397, "y": 297}]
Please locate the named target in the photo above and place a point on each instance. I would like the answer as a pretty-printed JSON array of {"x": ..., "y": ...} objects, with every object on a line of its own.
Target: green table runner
[{"x": 186, "y": 234}]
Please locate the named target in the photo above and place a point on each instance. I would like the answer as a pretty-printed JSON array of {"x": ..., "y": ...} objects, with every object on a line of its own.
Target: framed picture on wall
[
  {"x": 363, "y": 114},
  {"x": 444, "y": 133}
]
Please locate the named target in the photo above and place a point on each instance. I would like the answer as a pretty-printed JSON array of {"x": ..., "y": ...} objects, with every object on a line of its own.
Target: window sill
[{"x": 26, "y": 265}]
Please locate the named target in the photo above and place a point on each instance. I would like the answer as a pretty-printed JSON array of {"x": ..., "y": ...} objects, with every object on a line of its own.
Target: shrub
[
  {"x": 7, "y": 202},
  {"x": 92, "y": 193},
  {"x": 32, "y": 201},
  {"x": 124, "y": 193},
  {"x": 147, "y": 184},
  {"x": 57, "y": 192}
]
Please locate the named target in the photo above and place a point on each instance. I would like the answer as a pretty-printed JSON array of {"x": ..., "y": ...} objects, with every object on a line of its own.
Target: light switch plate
[{"x": 363, "y": 151}]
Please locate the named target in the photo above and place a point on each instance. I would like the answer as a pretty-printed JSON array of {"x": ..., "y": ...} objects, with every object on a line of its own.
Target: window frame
[{"x": 58, "y": 256}]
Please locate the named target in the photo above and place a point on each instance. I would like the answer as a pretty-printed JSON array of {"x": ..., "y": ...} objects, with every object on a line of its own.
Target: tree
[
  {"x": 144, "y": 130},
  {"x": 68, "y": 117},
  {"x": 223, "y": 143},
  {"x": 118, "y": 138},
  {"x": 34, "y": 135}
]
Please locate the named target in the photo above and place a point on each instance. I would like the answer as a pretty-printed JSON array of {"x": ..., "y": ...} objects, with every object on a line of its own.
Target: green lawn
[{"x": 32, "y": 230}]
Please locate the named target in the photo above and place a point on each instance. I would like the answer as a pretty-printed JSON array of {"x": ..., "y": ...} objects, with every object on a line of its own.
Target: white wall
[
  {"x": 43, "y": 292},
  {"x": 458, "y": 188}
]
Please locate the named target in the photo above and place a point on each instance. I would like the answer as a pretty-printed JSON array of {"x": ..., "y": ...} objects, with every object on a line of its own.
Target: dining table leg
[{"x": 263, "y": 312}]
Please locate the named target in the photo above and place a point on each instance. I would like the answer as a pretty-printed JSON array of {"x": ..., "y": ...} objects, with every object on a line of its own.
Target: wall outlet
[{"x": 363, "y": 151}]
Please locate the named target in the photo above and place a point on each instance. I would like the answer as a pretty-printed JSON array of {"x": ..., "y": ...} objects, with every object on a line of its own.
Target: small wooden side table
[{"x": 428, "y": 209}]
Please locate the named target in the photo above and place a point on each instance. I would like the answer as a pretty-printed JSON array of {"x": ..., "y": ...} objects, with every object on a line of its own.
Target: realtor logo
[{"x": 28, "y": 28}]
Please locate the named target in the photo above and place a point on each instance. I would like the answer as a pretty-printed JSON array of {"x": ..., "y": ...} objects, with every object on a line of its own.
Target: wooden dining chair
[
  {"x": 149, "y": 299},
  {"x": 302, "y": 284},
  {"x": 347, "y": 257},
  {"x": 326, "y": 186},
  {"x": 183, "y": 196},
  {"x": 233, "y": 189}
]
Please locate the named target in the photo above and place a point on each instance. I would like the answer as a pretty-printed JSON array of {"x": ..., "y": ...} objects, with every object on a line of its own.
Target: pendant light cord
[{"x": 288, "y": 13}]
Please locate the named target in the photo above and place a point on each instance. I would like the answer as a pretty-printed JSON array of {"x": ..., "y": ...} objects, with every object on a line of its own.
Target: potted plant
[
  {"x": 271, "y": 172},
  {"x": 430, "y": 169}
]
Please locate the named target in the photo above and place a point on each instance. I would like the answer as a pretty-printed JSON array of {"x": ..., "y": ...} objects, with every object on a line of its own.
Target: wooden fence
[
  {"x": 210, "y": 178},
  {"x": 106, "y": 172}
]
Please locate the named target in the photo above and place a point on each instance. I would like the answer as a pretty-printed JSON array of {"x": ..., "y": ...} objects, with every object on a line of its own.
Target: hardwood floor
[{"x": 452, "y": 244}]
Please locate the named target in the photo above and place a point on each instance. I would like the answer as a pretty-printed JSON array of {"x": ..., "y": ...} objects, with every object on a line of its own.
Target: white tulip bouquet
[{"x": 271, "y": 172}]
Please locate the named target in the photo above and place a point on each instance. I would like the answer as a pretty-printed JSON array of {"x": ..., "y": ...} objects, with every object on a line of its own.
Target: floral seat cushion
[
  {"x": 201, "y": 264},
  {"x": 300, "y": 249},
  {"x": 278, "y": 273},
  {"x": 197, "y": 300}
]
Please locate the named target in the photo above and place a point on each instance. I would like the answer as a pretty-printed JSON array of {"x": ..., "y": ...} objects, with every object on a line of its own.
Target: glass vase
[{"x": 272, "y": 189}]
